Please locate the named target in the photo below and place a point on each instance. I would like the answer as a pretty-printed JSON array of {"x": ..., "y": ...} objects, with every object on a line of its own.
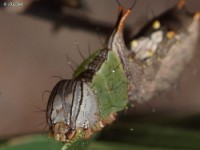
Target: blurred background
[{"x": 36, "y": 38}]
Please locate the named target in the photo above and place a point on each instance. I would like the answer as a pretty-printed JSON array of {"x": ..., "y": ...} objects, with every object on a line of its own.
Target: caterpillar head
[{"x": 72, "y": 107}]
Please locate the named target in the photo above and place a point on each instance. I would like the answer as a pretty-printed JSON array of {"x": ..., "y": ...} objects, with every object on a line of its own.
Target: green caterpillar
[
  {"x": 85, "y": 104},
  {"x": 105, "y": 82}
]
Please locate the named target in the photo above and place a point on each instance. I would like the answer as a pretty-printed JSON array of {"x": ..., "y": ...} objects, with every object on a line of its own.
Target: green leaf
[
  {"x": 34, "y": 142},
  {"x": 154, "y": 135}
]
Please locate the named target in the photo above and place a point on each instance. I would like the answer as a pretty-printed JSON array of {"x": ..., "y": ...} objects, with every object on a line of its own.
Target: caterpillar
[
  {"x": 80, "y": 106},
  {"x": 114, "y": 75}
]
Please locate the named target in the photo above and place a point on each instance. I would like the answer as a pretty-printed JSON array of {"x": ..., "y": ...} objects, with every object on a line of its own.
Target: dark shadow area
[
  {"x": 155, "y": 131},
  {"x": 52, "y": 11}
]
